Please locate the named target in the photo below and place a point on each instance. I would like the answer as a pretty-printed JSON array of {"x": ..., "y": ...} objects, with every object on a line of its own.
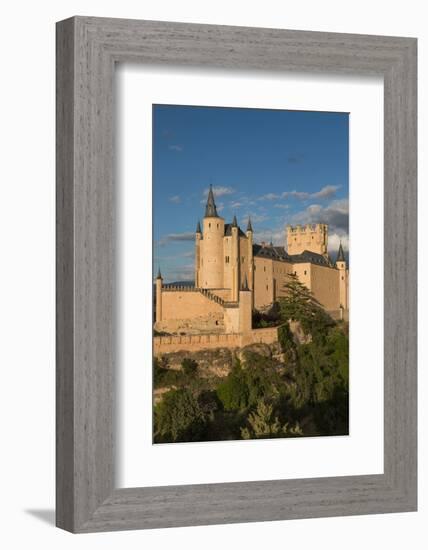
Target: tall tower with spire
[
  {"x": 250, "y": 279},
  {"x": 209, "y": 264},
  {"x": 234, "y": 259},
  {"x": 343, "y": 278},
  {"x": 198, "y": 237},
  {"x": 159, "y": 282}
]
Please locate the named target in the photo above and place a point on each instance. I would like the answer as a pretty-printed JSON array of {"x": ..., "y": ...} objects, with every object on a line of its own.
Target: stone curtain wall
[
  {"x": 198, "y": 342},
  {"x": 189, "y": 310}
]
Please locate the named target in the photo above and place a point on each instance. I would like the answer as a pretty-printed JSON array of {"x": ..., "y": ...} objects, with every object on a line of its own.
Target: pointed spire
[
  {"x": 245, "y": 285},
  {"x": 210, "y": 208},
  {"x": 249, "y": 226},
  {"x": 159, "y": 276},
  {"x": 198, "y": 227},
  {"x": 234, "y": 222},
  {"x": 340, "y": 254}
]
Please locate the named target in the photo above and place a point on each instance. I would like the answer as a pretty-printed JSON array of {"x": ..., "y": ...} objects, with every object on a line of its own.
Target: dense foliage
[
  {"x": 302, "y": 392},
  {"x": 179, "y": 416}
]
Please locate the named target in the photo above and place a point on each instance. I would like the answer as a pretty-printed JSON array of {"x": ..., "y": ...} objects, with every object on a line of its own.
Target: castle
[{"x": 235, "y": 276}]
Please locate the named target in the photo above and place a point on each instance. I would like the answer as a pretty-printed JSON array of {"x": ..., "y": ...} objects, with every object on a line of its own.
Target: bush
[
  {"x": 244, "y": 387},
  {"x": 233, "y": 392},
  {"x": 321, "y": 381},
  {"x": 285, "y": 338},
  {"x": 158, "y": 373},
  {"x": 209, "y": 403},
  {"x": 263, "y": 424},
  {"x": 179, "y": 417}
]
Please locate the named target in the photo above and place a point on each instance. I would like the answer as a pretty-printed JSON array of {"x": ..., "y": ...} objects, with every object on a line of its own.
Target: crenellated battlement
[
  {"x": 307, "y": 228},
  {"x": 186, "y": 288},
  {"x": 311, "y": 236}
]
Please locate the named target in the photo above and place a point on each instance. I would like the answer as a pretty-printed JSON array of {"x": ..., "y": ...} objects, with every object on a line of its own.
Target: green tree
[
  {"x": 246, "y": 385},
  {"x": 320, "y": 381},
  {"x": 158, "y": 373},
  {"x": 233, "y": 392},
  {"x": 299, "y": 304},
  {"x": 286, "y": 340},
  {"x": 179, "y": 417},
  {"x": 262, "y": 379},
  {"x": 263, "y": 424}
]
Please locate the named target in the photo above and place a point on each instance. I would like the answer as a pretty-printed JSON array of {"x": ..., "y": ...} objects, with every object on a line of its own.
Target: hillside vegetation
[{"x": 300, "y": 389}]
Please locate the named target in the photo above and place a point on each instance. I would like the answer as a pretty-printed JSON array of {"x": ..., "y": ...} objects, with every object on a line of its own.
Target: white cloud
[
  {"x": 176, "y": 237},
  {"x": 181, "y": 273},
  {"x": 270, "y": 197},
  {"x": 189, "y": 254},
  {"x": 336, "y": 214},
  {"x": 176, "y": 147},
  {"x": 277, "y": 236},
  {"x": 301, "y": 195},
  {"x": 255, "y": 218},
  {"x": 334, "y": 241},
  {"x": 326, "y": 192},
  {"x": 176, "y": 199},
  {"x": 220, "y": 190},
  {"x": 235, "y": 204}
]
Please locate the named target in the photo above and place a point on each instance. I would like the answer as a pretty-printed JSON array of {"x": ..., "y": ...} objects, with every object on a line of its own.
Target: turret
[
  {"x": 340, "y": 259},
  {"x": 211, "y": 246},
  {"x": 343, "y": 278},
  {"x": 235, "y": 260},
  {"x": 159, "y": 282},
  {"x": 245, "y": 307},
  {"x": 198, "y": 237},
  {"x": 210, "y": 207},
  {"x": 312, "y": 237},
  {"x": 250, "y": 281}
]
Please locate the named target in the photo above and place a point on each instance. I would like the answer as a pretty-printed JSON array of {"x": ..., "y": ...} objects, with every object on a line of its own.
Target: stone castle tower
[
  {"x": 343, "y": 278},
  {"x": 223, "y": 254},
  {"x": 312, "y": 237}
]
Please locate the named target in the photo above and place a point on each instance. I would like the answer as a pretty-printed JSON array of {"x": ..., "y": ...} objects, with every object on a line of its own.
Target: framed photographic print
[
  {"x": 243, "y": 308},
  {"x": 236, "y": 274}
]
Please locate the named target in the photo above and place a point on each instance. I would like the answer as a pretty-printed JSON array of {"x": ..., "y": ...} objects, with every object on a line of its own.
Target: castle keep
[{"x": 234, "y": 276}]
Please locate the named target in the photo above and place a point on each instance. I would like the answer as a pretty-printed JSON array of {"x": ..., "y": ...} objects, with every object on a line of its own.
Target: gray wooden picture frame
[{"x": 87, "y": 50}]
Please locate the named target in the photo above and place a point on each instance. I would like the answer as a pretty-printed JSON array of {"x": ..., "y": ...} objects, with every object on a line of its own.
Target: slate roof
[
  {"x": 280, "y": 254},
  {"x": 340, "y": 254},
  {"x": 228, "y": 230},
  {"x": 210, "y": 208},
  {"x": 311, "y": 257}
]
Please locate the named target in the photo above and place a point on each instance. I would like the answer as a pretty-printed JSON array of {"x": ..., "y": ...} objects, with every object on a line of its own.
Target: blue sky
[{"x": 277, "y": 166}]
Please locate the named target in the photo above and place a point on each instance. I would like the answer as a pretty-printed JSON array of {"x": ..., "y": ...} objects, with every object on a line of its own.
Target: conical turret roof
[
  {"x": 198, "y": 227},
  {"x": 340, "y": 254},
  {"x": 245, "y": 285},
  {"x": 210, "y": 208},
  {"x": 249, "y": 226}
]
